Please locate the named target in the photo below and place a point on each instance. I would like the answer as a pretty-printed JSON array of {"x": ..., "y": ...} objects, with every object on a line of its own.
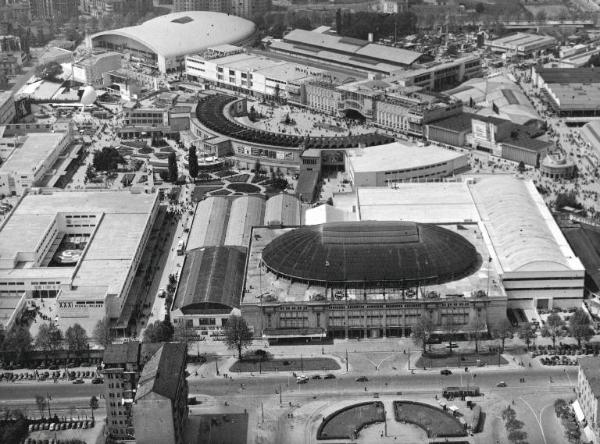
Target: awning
[
  {"x": 453, "y": 408},
  {"x": 578, "y": 412}
]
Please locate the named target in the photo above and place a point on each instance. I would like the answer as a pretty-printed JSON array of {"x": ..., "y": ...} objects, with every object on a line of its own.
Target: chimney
[{"x": 370, "y": 38}]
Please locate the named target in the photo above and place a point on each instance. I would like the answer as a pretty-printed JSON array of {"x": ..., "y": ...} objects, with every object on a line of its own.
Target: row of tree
[
  {"x": 578, "y": 327},
  {"x": 17, "y": 342}
]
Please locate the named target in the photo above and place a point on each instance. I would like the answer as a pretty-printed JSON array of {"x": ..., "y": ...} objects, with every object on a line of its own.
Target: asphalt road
[{"x": 257, "y": 386}]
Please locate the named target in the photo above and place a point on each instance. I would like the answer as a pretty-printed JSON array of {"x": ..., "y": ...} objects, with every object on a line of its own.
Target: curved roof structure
[
  {"x": 210, "y": 221},
  {"x": 283, "y": 210},
  {"x": 211, "y": 278},
  {"x": 522, "y": 239},
  {"x": 246, "y": 212},
  {"x": 184, "y": 33},
  {"x": 211, "y": 112},
  {"x": 406, "y": 253}
]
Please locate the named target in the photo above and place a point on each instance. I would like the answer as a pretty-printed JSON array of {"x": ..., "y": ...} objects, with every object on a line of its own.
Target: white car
[{"x": 301, "y": 378}]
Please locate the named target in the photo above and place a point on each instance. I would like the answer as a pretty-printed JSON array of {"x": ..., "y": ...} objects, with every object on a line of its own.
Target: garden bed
[
  {"x": 435, "y": 422},
  {"x": 239, "y": 178},
  {"x": 289, "y": 364},
  {"x": 349, "y": 421},
  {"x": 222, "y": 192},
  {"x": 200, "y": 191},
  {"x": 456, "y": 359},
  {"x": 225, "y": 173},
  {"x": 244, "y": 188}
]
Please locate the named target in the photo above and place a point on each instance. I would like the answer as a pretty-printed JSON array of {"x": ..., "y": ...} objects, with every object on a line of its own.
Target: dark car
[
  {"x": 78, "y": 381},
  {"x": 97, "y": 381},
  {"x": 445, "y": 372},
  {"x": 329, "y": 376},
  {"x": 362, "y": 379},
  {"x": 316, "y": 377}
]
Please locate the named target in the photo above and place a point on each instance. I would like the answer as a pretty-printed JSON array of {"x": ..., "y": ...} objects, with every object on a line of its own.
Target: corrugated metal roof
[
  {"x": 283, "y": 209},
  {"x": 210, "y": 223},
  {"x": 211, "y": 277},
  {"x": 246, "y": 212}
]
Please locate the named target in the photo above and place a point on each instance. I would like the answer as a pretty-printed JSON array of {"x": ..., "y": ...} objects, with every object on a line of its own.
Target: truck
[{"x": 181, "y": 248}]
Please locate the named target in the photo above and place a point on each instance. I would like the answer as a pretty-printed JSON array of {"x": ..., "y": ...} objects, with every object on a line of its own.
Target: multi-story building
[
  {"x": 90, "y": 70},
  {"x": 145, "y": 116},
  {"x": 29, "y": 159},
  {"x": 253, "y": 74},
  {"x": 588, "y": 393},
  {"x": 123, "y": 365},
  {"x": 101, "y": 7},
  {"x": 12, "y": 55},
  {"x": 386, "y": 104},
  {"x": 242, "y": 8},
  {"x": 8, "y": 111},
  {"x": 160, "y": 407},
  {"x": 52, "y": 9}
]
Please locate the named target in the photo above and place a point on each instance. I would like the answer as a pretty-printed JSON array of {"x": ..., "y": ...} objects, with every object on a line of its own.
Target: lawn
[
  {"x": 456, "y": 359},
  {"x": 230, "y": 428},
  {"x": 289, "y": 365},
  {"x": 348, "y": 422},
  {"x": 220, "y": 193},
  {"x": 225, "y": 173},
  {"x": 244, "y": 188},
  {"x": 200, "y": 191},
  {"x": 435, "y": 422},
  {"x": 239, "y": 178}
]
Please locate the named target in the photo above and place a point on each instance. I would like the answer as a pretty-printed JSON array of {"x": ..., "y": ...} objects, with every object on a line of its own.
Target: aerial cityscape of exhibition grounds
[{"x": 299, "y": 222}]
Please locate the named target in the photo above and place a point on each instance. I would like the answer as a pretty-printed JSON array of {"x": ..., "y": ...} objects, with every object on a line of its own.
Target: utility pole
[
  {"x": 346, "y": 360},
  {"x": 280, "y": 398},
  {"x": 217, "y": 368},
  {"x": 262, "y": 410}
]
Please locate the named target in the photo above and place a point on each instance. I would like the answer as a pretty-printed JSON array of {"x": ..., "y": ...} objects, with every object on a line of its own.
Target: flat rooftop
[
  {"x": 121, "y": 220},
  {"x": 264, "y": 282},
  {"x": 398, "y": 156},
  {"x": 569, "y": 75},
  {"x": 29, "y": 157},
  {"x": 576, "y": 96}
]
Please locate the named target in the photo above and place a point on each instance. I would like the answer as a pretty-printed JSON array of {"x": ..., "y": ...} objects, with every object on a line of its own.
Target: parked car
[
  {"x": 362, "y": 379},
  {"x": 316, "y": 377},
  {"x": 501, "y": 384},
  {"x": 445, "y": 372},
  {"x": 97, "y": 381},
  {"x": 78, "y": 381},
  {"x": 329, "y": 376}
]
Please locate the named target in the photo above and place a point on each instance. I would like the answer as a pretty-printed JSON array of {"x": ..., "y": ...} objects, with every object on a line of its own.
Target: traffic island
[
  {"x": 347, "y": 423},
  {"x": 256, "y": 365},
  {"x": 458, "y": 359}
]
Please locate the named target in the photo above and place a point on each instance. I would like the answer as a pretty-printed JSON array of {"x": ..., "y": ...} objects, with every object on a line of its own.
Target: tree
[
  {"x": 159, "y": 331},
  {"x": 16, "y": 430},
  {"x": 517, "y": 436},
  {"x": 182, "y": 332},
  {"x": 49, "y": 337},
  {"x": 107, "y": 159},
  {"x": 541, "y": 16},
  {"x": 503, "y": 331},
  {"x": 41, "y": 403},
  {"x": 172, "y": 168},
  {"x": 527, "y": 334},
  {"x": 18, "y": 340},
  {"x": 521, "y": 167},
  {"x": 257, "y": 167},
  {"x": 102, "y": 333},
  {"x": 479, "y": 8},
  {"x": 193, "y": 161},
  {"x": 476, "y": 331},
  {"x": 422, "y": 331},
  {"x": 90, "y": 173},
  {"x": 237, "y": 334},
  {"x": 94, "y": 405},
  {"x": 579, "y": 326},
  {"x": 567, "y": 200},
  {"x": 593, "y": 61},
  {"x": 49, "y": 71},
  {"x": 509, "y": 414},
  {"x": 553, "y": 327},
  {"x": 338, "y": 21},
  {"x": 76, "y": 338}
]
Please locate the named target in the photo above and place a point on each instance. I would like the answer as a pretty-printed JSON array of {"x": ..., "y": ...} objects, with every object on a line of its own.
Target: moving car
[
  {"x": 362, "y": 379},
  {"x": 329, "y": 376},
  {"x": 78, "y": 381},
  {"x": 501, "y": 384},
  {"x": 445, "y": 372}
]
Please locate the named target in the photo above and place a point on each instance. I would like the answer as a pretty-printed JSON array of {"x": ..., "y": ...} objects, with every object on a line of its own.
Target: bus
[{"x": 460, "y": 392}]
